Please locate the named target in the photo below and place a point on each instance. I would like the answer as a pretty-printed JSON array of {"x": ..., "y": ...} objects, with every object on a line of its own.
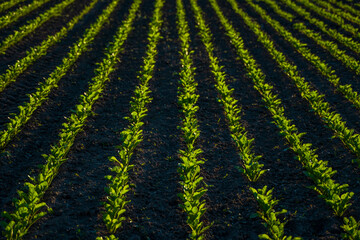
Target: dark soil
[{"x": 154, "y": 212}]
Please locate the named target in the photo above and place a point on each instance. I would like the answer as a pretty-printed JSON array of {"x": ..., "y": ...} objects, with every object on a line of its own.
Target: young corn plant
[
  {"x": 351, "y": 228},
  {"x": 29, "y": 206},
  {"x": 268, "y": 213}
]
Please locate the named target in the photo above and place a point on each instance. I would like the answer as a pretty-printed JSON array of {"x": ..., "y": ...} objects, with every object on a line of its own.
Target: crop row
[
  {"x": 32, "y": 25},
  {"x": 10, "y": 3},
  {"x": 346, "y": 7},
  {"x": 29, "y": 205},
  {"x": 347, "y": 41},
  {"x": 132, "y": 135},
  {"x": 263, "y": 196},
  {"x": 250, "y": 164},
  {"x": 291, "y": 71},
  {"x": 332, "y": 17},
  {"x": 339, "y": 12},
  {"x": 349, "y": 61},
  {"x": 322, "y": 108},
  {"x": 13, "y": 16},
  {"x": 189, "y": 169},
  {"x": 330, "y": 46},
  {"x": 333, "y": 193}
]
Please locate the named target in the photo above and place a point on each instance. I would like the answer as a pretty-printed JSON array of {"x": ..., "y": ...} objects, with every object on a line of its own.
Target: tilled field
[{"x": 182, "y": 119}]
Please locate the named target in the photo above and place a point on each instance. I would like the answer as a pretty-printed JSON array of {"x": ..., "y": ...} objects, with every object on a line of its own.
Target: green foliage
[
  {"x": 119, "y": 184},
  {"x": 347, "y": 41},
  {"x": 322, "y": 108},
  {"x": 111, "y": 237},
  {"x": 332, "y": 48},
  {"x": 41, "y": 93},
  {"x": 278, "y": 10},
  {"x": 269, "y": 215},
  {"x": 28, "y": 206},
  {"x": 189, "y": 168},
  {"x": 250, "y": 164},
  {"x": 32, "y": 25},
  {"x": 334, "y": 194},
  {"x": 346, "y": 7},
  {"x": 339, "y": 12},
  {"x": 351, "y": 229},
  {"x": 252, "y": 168},
  {"x": 6, "y": 5},
  {"x": 13, "y": 16},
  {"x": 332, "y": 17}
]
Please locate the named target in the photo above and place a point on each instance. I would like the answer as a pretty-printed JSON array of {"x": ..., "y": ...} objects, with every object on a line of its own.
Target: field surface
[{"x": 180, "y": 119}]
